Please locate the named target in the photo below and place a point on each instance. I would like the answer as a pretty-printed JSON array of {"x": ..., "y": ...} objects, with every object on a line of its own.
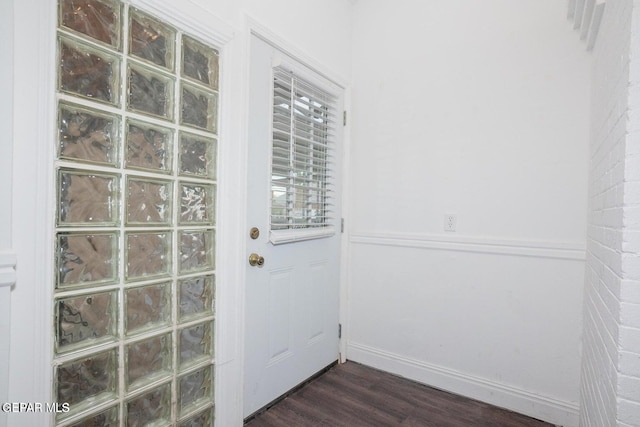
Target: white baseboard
[{"x": 544, "y": 408}]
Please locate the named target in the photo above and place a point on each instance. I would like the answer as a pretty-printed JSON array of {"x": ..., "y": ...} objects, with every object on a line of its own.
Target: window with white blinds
[{"x": 302, "y": 187}]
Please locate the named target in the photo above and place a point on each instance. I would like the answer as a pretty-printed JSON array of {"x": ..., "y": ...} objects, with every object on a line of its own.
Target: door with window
[{"x": 293, "y": 230}]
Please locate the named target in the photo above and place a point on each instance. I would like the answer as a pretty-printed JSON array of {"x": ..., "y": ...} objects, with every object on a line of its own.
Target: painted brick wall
[
  {"x": 610, "y": 391},
  {"x": 629, "y": 343}
]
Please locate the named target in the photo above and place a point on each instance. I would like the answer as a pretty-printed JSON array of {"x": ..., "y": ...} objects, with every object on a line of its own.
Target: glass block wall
[{"x": 135, "y": 222}]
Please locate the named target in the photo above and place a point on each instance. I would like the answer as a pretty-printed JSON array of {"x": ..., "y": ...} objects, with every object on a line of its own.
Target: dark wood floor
[{"x": 353, "y": 395}]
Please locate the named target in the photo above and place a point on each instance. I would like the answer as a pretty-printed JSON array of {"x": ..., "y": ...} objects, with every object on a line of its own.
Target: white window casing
[{"x": 304, "y": 118}]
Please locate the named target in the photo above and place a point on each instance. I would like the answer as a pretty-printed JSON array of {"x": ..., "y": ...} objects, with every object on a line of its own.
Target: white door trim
[
  {"x": 32, "y": 217},
  {"x": 253, "y": 26}
]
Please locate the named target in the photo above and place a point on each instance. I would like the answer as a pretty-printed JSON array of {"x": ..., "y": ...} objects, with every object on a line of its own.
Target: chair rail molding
[
  {"x": 571, "y": 251},
  {"x": 7, "y": 268}
]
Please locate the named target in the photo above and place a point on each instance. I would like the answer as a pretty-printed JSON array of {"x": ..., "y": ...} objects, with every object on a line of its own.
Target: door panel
[
  {"x": 280, "y": 287},
  {"x": 292, "y": 300},
  {"x": 315, "y": 301}
]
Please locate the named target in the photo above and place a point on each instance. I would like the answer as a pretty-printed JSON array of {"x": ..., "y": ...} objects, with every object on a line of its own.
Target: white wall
[
  {"x": 327, "y": 43},
  {"x": 323, "y": 33},
  {"x": 479, "y": 109},
  {"x": 7, "y": 257},
  {"x": 610, "y": 367}
]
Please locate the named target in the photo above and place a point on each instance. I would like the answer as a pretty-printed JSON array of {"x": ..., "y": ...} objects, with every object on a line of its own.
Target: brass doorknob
[{"x": 256, "y": 260}]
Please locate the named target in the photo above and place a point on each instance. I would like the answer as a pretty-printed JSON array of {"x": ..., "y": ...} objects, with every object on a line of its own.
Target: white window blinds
[{"x": 303, "y": 153}]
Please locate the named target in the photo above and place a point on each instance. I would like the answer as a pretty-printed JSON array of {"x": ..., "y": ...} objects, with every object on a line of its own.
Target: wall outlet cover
[{"x": 450, "y": 222}]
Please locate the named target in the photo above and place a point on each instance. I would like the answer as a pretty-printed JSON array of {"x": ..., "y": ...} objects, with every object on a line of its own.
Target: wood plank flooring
[{"x": 353, "y": 395}]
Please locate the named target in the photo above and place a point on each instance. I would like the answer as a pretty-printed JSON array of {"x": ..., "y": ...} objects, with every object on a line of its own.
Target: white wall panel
[
  {"x": 479, "y": 109},
  {"x": 321, "y": 30},
  {"x": 496, "y": 320},
  {"x": 474, "y": 108}
]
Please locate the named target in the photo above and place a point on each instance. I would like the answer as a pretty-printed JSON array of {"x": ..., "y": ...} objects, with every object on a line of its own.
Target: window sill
[{"x": 279, "y": 237}]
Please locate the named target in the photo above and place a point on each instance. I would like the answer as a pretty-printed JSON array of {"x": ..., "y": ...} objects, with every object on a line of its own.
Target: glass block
[
  {"x": 204, "y": 418},
  {"x": 200, "y": 62},
  {"x": 86, "y": 259},
  {"x": 88, "y": 380},
  {"x": 147, "y": 307},
  {"x": 196, "y": 250},
  {"x": 86, "y": 199},
  {"x": 108, "y": 418},
  {"x": 199, "y": 108},
  {"x": 195, "y": 344},
  {"x": 148, "y": 146},
  {"x": 85, "y": 320},
  {"x": 148, "y": 254},
  {"x": 148, "y": 202},
  {"x": 99, "y": 20},
  {"x": 88, "y": 135},
  {"x": 150, "y": 92},
  {"x": 150, "y": 409},
  {"x": 196, "y": 296},
  {"x": 148, "y": 360},
  {"x": 151, "y": 40},
  {"x": 88, "y": 72},
  {"x": 197, "y": 155},
  {"x": 197, "y": 203},
  {"x": 195, "y": 389}
]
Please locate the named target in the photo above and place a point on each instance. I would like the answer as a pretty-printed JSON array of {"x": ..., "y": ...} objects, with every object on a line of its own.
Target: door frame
[
  {"x": 301, "y": 362},
  {"x": 253, "y": 27}
]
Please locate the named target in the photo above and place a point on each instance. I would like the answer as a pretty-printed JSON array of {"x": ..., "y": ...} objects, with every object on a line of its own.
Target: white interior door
[{"x": 292, "y": 300}]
